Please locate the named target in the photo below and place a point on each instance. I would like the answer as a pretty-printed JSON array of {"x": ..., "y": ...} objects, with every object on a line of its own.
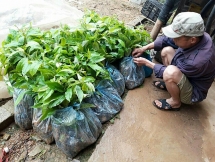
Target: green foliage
[{"x": 60, "y": 67}]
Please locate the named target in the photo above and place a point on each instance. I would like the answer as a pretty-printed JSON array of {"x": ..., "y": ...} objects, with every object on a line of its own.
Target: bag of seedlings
[
  {"x": 75, "y": 129},
  {"x": 23, "y": 112},
  {"x": 148, "y": 71},
  {"x": 43, "y": 128},
  {"x": 106, "y": 100},
  {"x": 134, "y": 75},
  {"x": 117, "y": 78}
]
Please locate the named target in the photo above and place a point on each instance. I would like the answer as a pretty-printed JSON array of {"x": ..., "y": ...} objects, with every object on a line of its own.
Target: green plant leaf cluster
[
  {"x": 60, "y": 67},
  {"x": 112, "y": 37}
]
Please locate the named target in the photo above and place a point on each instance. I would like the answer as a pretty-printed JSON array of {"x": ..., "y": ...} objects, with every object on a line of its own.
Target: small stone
[
  {"x": 75, "y": 160},
  {"x": 3, "y": 142},
  {"x": 6, "y": 149},
  {"x": 6, "y": 136},
  {"x": 22, "y": 156},
  {"x": 35, "y": 151},
  {"x": 36, "y": 138},
  {"x": 30, "y": 143},
  {"x": 48, "y": 147}
]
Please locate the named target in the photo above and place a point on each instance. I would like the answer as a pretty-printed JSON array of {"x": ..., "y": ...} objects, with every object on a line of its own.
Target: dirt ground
[
  {"x": 25, "y": 145},
  {"x": 122, "y": 9}
]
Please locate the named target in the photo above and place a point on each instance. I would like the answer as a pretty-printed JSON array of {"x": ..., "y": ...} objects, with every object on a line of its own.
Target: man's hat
[{"x": 185, "y": 24}]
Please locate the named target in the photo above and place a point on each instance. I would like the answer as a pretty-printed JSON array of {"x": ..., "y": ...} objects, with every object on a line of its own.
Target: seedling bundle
[{"x": 61, "y": 67}]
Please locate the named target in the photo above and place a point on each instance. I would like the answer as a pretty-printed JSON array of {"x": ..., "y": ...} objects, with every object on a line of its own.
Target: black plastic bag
[
  {"x": 106, "y": 100},
  {"x": 134, "y": 75},
  {"x": 117, "y": 78},
  {"x": 43, "y": 128},
  {"x": 23, "y": 112},
  {"x": 74, "y": 130}
]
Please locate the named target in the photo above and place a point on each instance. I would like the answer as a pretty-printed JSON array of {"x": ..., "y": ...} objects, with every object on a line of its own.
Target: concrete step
[
  {"x": 6, "y": 114},
  {"x": 3, "y": 90}
]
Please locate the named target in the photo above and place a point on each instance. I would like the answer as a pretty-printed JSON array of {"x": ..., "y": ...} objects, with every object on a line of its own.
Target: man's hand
[
  {"x": 140, "y": 61},
  {"x": 138, "y": 51}
]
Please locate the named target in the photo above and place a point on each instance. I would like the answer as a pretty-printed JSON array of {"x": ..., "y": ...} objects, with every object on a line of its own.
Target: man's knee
[
  {"x": 172, "y": 73},
  {"x": 166, "y": 51}
]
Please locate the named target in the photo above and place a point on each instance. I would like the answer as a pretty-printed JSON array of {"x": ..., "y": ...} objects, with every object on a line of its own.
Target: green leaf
[
  {"x": 34, "y": 67},
  {"x": 57, "y": 101},
  {"x": 12, "y": 44},
  {"x": 21, "y": 41},
  {"x": 114, "y": 29},
  {"x": 95, "y": 67},
  {"x": 47, "y": 112},
  {"x": 26, "y": 67},
  {"x": 68, "y": 94},
  {"x": 47, "y": 94},
  {"x": 33, "y": 46},
  {"x": 55, "y": 86},
  {"x": 20, "y": 97},
  {"x": 41, "y": 88},
  {"x": 79, "y": 93},
  {"x": 14, "y": 57},
  {"x": 85, "y": 43},
  {"x": 121, "y": 43},
  {"x": 37, "y": 105},
  {"x": 96, "y": 46},
  {"x": 88, "y": 87},
  {"x": 21, "y": 64},
  {"x": 63, "y": 41},
  {"x": 88, "y": 79},
  {"x": 47, "y": 73},
  {"x": 52, "y": 98},
  {"x": 96, "y": 57},
  {"x": 87, "y": 105}
]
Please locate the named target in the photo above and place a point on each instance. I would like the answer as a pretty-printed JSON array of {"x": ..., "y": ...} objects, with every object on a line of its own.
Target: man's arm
[
  {"x": 162, "y": 42},
  {"x": 139, "y": 51},
  {"x": 143, "y": 61}
]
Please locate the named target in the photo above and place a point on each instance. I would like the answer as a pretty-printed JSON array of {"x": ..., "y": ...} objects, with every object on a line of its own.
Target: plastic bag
[
  {"x": 117, "y": 78},
  {"x": 134, "y": 75},
  {"x": 148, "y": 71},
  {"x": 44, "y": 14},
  {"x": 74, "y": 130},
  {"x": 43, "y": 128},
  {"x": 23, "y": 112},
  {"x": 106, "y": 100}
]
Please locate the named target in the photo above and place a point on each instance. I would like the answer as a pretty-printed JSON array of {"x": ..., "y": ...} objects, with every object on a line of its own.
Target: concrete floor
[{"x": 146, "y": 134}]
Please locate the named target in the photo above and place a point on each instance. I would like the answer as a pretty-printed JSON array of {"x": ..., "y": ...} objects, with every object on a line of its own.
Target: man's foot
[
  {"x": 162, "y": 104},
  {"x": 159, "y": 84}
]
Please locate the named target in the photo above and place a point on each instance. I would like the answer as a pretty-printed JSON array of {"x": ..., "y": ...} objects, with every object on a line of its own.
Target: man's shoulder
[{"x": 207, "y": 41}]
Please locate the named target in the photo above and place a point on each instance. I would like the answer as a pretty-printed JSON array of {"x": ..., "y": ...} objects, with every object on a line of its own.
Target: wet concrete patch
[{"x": 145, "y": 133}]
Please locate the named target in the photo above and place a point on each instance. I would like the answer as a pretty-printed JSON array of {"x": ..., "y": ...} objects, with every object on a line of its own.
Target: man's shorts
[{"x": 186, "y": 90}]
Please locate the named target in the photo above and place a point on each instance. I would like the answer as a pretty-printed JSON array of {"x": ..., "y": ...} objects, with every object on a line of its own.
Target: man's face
[{"x": 183, "y": 42}]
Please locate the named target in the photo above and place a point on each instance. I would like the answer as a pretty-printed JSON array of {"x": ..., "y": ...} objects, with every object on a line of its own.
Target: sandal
[
  {"x": 165, "y": 106},
  {"x": 160, "y": 85}
]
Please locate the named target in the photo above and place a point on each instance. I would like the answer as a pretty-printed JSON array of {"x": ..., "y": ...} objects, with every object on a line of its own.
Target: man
[{"x": 188, "y": 71}]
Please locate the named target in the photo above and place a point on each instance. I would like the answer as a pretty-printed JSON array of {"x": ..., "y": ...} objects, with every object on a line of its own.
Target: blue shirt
[{"x": 196, "y": 63}]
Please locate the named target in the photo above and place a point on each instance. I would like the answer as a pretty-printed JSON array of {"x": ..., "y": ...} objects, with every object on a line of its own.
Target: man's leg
[
  {"x": 172, "y": 76},
  {"x": 167, "y": 55}
]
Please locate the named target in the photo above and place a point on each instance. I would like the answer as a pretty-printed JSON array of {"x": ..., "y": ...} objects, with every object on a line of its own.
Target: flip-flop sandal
[
  {"x": 165, "y": 106},
  {"x": 160, "y": 85}
]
